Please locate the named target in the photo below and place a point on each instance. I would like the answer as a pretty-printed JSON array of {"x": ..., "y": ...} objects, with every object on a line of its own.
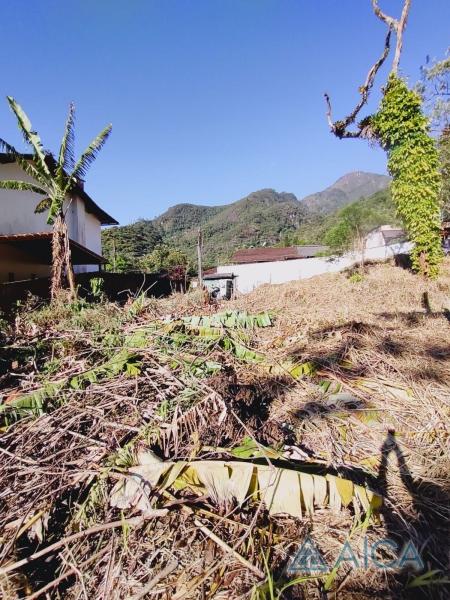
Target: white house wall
[
  {"x": 17, "y": 215},
  {"x": 250, "y": 276},
  {"x": 92, "y": 236},
  {"x": 17, "y": 208}
]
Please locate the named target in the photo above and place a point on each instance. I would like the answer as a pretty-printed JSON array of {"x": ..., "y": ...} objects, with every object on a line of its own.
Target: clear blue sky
[{"x": 209, "y": 99}]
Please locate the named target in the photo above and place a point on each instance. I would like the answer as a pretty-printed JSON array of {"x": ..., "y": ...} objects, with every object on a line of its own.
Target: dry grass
[{"x": 382, "y": 341}]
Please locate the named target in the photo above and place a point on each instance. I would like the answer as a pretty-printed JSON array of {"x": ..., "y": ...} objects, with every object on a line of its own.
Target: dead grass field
[{"x": 372, "y": 406}]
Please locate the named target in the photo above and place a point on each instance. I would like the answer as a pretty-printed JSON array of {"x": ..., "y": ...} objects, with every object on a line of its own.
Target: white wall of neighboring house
[
  {"x": 252, "y": 275},
  {"x": 17, "y": 208},
  {"x": 375, "y": 238},
  {"x": 17, "y": 216}
]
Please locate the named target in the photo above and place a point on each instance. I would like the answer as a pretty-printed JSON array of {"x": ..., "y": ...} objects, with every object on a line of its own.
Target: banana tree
[{"x": 56, "y": 180}]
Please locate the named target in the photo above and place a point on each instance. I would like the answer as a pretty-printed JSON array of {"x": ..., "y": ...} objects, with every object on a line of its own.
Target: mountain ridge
[{"x": 262, "y": 218}]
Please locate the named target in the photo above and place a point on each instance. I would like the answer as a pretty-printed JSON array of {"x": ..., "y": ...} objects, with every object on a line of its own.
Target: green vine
[{"x": 413, "y": 162}]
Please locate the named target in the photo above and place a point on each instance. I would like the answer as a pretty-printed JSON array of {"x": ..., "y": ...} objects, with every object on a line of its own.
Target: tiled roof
[
  {"x": 254, "y": 255},
  {"x": 393, "y": 234}
]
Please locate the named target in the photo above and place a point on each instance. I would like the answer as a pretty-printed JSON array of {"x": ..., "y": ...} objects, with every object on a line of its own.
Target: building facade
[{"x": 25, "y": 237}]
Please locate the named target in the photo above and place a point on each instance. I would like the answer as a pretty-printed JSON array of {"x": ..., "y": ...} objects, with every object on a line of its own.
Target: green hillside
[
  {"x": 263, "y": 218},
  {"x": 380, "y": 211}
]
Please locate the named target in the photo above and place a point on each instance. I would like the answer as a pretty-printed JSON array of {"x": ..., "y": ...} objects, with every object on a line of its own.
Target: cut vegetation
[{"x": 170, "y": 451}]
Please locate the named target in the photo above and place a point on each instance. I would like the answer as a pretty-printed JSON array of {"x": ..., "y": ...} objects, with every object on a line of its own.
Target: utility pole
[{"x": 199, "y": 257}]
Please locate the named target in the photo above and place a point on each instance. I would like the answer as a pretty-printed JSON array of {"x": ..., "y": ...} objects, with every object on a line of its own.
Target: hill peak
[{"x": 346, "y": 189}]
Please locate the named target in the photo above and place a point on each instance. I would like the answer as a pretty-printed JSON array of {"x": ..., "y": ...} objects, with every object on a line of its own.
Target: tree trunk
[{"x": 61, "y": 258}]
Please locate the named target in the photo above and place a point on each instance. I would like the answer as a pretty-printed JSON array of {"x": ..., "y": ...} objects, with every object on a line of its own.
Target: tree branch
[
  {"x": 400, "y": 29},
  {"x": 339, "y": 128},
  {"x": 396, "y": 25},
  {"x": 390, "y": 21}
]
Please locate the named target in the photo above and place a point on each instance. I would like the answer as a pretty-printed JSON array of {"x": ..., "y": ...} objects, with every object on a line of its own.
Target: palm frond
[
  {"x": 31, "y": 168},
  {"x": 90, "y": 154},
  {"x": 43, "y": 205},
  {"x": 66, "y": 159},
  {"x": 20, "y": 186},
  {"x": 30, "y": 136}
]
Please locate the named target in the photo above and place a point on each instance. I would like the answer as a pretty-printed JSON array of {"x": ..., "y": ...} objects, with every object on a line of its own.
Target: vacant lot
[{"x": 127, "y": 435}]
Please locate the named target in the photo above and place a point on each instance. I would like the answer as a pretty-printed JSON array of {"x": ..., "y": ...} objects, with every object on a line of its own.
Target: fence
[{"x": 116, "y": 286}]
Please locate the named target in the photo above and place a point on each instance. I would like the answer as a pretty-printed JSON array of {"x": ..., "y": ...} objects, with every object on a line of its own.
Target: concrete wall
[
  {"x": 250, "y": 276},
  {"x": 374, "y": 239},
  {"x": 17, "y": 208}
]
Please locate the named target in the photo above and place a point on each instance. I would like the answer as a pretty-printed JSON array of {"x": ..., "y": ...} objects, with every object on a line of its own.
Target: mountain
[
  {"x": 345, "y": 190},
  {"x": 258, "y": 219},
  {"x": 263, "y": 218},
  {"x": 181, "y": 217},
  {"x": 379, "y": 207}
]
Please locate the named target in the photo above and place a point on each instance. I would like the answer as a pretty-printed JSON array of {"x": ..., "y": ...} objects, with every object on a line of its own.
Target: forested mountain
[
  {"x": 345, "y": 190},
  {"x": 263, "y": 218}
]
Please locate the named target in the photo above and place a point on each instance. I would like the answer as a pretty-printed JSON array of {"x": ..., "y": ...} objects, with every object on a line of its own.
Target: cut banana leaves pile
[
  {"x": 283, "y": 491},
  {"x": 232, "y": 319},
  {"x": 33, "y": 404}
]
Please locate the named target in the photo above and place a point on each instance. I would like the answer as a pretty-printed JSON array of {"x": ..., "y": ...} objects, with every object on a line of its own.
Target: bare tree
[{"x": 340, "y": 128}]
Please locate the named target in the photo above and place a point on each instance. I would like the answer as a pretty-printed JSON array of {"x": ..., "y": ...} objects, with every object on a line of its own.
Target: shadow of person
[{"x": 425, "y": 523}]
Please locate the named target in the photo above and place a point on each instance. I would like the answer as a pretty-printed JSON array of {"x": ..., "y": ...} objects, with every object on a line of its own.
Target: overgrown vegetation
[
  {"x": 413, "y": 162},
  {"x": 126, "y": 431},
  {"x": 403, "y": 130}
]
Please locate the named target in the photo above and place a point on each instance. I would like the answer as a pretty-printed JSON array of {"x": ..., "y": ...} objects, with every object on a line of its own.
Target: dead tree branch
[
  {"x": 339, "y": 128},
  {"x": 397, "y": 25}
]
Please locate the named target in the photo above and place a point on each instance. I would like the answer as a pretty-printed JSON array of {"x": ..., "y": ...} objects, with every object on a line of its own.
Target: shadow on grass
[{"x": 426, "y": 525}]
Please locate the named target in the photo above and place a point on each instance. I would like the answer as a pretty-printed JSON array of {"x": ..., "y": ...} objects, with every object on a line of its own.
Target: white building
[
  {"x": 255, "y": 266},
  {"x": 25, "y": 237},
  {"x": 383, "y": 236}
]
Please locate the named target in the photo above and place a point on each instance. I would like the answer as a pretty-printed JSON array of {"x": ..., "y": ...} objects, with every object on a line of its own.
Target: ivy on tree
[
  {"x": 402, "y": 129},
  {"x": 413, "y": 161}
]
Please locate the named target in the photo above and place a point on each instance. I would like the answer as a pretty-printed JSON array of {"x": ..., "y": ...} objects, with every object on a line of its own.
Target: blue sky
[{"x": 209, "y": 99}]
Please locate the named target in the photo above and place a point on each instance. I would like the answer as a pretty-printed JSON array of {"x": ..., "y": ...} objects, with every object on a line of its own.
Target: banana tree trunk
[{"x": 61, "y": 258}]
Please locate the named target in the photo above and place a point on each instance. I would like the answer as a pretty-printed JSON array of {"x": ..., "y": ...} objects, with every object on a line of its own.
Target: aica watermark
[{"x": 308, "y": 559}]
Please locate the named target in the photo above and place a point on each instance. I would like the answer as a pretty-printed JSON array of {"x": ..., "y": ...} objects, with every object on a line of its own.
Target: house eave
[{"x": 39, "y": 245}]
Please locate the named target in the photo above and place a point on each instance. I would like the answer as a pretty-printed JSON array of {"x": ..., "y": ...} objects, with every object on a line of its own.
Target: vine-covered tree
[
  {"x": 402, "y": 129},
  {"x": 56, "y": 181}
]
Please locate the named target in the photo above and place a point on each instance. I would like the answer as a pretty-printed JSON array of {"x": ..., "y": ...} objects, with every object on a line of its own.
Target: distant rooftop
[{"x": 256, "y": 255}]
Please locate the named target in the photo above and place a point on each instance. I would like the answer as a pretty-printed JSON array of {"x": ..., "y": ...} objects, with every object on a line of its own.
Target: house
[
  {"x": 252, "y": 267},
  {"x": 25, "y": 237},
  {"x": 383, "y": 236}
]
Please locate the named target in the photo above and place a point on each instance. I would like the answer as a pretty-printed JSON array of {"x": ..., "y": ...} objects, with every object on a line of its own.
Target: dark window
[{"x": 11, "y": 277}]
